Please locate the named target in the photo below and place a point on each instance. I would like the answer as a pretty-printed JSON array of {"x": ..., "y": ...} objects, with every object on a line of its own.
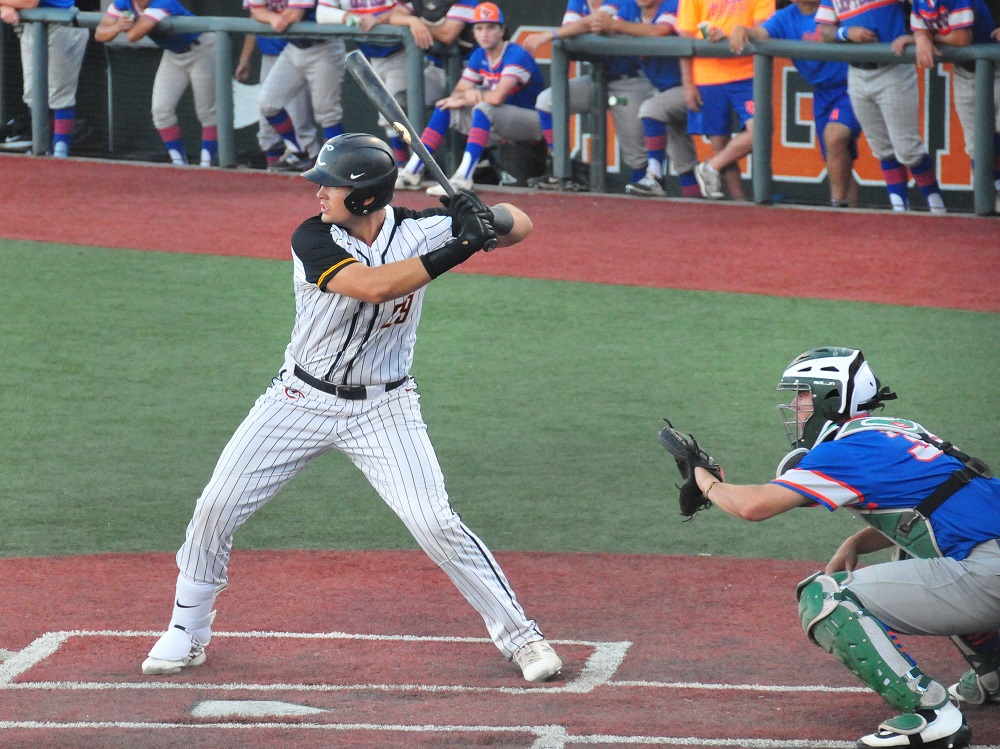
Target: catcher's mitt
[{"x": 689, "y": 455}]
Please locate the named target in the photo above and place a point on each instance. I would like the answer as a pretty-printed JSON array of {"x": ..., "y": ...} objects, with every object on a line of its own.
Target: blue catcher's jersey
[
  {"x": 883, "y": 470},
  {"x": 662, "y": 72},
  {"x": 515, "y": 62},
  {"x": 157, "y": 10},
  {"x": 791, "y": 23},
  {"x": 56, "y": 3},
  {"x": 885, "y": 17}
]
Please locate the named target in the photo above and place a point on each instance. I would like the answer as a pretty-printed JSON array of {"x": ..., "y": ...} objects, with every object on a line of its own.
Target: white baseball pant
[
  {"x": 176, "y": 72},
  {"x": 67, "y": 46},
  {"x": 392, "y": 71},
  {"x": 886, "y": 102},
  {"x": 320, "y": 67},
  {"x": 964, "y": 82},
  {"x": 384, "y": 436}
]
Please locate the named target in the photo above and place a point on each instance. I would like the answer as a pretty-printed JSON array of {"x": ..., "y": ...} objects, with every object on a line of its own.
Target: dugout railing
[
  {"x": 589, "y": 47},
  {"x": 594, "y": 48}
]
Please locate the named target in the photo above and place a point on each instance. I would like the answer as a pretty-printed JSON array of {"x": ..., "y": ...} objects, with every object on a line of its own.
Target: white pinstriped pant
[{"x": 386, "y": 437}]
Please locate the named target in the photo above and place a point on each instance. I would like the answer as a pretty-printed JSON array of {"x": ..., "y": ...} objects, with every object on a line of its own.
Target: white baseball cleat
[
  {"x": 408, "y": 180},
  {"x": 179, "y": 648},
  {"x": 941, "y": 728},
  {"x": 459, "y": 183},
  {"x": 538, "y": 661}
]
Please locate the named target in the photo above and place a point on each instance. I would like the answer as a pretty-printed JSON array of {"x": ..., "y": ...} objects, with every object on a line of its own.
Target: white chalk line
[{"x": 598, "y": 671}]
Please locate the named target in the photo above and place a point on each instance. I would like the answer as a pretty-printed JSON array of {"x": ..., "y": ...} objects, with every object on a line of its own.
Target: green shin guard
[{"x": 835, "y": 620}]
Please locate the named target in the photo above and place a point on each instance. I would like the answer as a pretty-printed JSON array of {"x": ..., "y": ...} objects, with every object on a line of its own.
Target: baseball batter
[
  {"x": 914, "y": 491},
  {"x": 314, "y": 63},
  {"x": 67, "y": 45},
  {"x": 885, "y": 97},
  {"x": 188, "y": 60},
  {"x": 360, "y": 268}
]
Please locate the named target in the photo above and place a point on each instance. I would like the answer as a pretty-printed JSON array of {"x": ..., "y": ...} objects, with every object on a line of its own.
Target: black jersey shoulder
[
  {"x": 322, "y": 258},
  {"x": 404, "y": 213}
]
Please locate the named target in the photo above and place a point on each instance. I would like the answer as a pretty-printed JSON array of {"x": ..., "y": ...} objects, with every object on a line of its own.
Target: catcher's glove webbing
[{"x": 689, "y": 455}]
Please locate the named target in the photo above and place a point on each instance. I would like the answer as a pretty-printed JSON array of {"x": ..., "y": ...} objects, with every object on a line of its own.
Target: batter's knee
[{"x": 487, "y": 109}]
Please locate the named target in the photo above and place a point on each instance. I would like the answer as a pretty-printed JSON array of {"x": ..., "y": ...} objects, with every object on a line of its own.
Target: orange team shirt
[{"x": 727, "y": 15}]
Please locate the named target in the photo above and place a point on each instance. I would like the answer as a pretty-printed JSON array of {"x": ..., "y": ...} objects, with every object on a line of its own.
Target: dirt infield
[
  {"x": 922, "y": 260},
  {"x": 378, "y": 649},
  {"x": 375, "y": 649}
]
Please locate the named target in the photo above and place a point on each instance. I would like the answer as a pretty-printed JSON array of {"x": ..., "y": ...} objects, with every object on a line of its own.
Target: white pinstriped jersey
[{"x": 343, "y": 340}]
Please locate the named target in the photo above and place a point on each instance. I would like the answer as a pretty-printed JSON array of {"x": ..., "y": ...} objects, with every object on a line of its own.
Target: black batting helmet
[{"x": 361, "y": 161}]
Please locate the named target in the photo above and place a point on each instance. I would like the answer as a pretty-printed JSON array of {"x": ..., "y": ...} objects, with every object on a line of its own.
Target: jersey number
[
  {"x": 921, "y": 450},
  {"x": 400, "y": 312}
]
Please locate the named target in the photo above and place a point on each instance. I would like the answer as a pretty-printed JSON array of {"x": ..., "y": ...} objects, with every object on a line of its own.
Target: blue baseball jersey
[
  {"x": 515, "y": 62},
  {"x": 156, "y": 11},
  {"x": 872, "y": 470},
  {"x": 791, "y": 23},
  {"x": 618, "y": 67},
  {"x": 361, "y": 8},
  {"x": 662, "y": 72},
  {"x": 56, "y": 3},
  {"x": 270, "y": 45},
  {"x": 944, "y": 16},
  {"x": 884, "y": 17}
]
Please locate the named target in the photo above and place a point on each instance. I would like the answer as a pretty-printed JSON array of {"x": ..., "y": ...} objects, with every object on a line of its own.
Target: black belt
[
  {"x": 189, "y": 47},
  {"x": 305, "y": 43},
  {"x": 868, "y": 65},
  {"x": 348, "y": 392}
]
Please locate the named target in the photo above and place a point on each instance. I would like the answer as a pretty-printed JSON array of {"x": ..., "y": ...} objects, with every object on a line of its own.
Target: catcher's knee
[{"x": 835, "y": 619}]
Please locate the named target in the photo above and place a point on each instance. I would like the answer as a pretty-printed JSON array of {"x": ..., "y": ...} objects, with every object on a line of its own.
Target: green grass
[{"x": 128, "y": 372}]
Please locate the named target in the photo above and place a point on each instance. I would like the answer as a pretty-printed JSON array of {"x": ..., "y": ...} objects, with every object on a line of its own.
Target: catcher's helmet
[
  {"x": 361, "y": 161},
  {"x": 842, "y": 385}
]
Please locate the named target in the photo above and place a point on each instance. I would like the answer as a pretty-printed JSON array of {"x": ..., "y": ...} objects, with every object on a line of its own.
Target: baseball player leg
[
  {"x": 630, "y": 93},
  {"x": 835, "y": 619},
  {"x": 899, "y": 101},
  {"x": 392, "y": 71},
  {"x": 655, "y": 140},
  {"x": 67, "y": 46},
  {"x": 201, "y": 68},
  {"x": 863, "y": 91},
  {"x": 391, "y": 447},
  {"x": 283, "y": 83},
  {"x": 271, "y": 144},
  {"x": 275, "y": 441},
  {"x": 982, "y": 683},
  {"x": 168, "y": 86},
  {"x": 680, "y": 147},
  {"x": 323, "y": 67},
  {"x": 839, "y": 140}
]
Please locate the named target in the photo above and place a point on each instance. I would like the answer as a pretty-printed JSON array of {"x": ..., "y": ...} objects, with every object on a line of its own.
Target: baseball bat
[{"x": 376, "y": 90}]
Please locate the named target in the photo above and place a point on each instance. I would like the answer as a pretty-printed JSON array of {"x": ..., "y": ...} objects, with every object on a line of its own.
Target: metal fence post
[
  {"x": 39, "y": 87},
  {"x": 982, "y": 173},
  {"x": 559, "y": 76},
  {"x": 763, "y": 127},
  {"x": 599, "y": 136},
  {"x": 224, "y": 98}
]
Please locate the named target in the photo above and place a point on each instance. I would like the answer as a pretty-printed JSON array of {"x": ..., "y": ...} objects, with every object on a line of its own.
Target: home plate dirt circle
[{"x": 374, "y": 649}]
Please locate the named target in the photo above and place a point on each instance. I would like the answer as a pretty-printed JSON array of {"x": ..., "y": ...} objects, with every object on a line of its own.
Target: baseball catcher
[{"x": 688, "y": 454}]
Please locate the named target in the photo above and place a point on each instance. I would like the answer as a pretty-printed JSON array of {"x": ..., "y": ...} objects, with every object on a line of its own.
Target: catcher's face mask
[{"x": 796, "y": 414}]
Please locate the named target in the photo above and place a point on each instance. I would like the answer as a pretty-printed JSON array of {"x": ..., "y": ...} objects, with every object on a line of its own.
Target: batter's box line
[
  {"x": 597, "y": 671},
  {"x": 546, "y": 737}
]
